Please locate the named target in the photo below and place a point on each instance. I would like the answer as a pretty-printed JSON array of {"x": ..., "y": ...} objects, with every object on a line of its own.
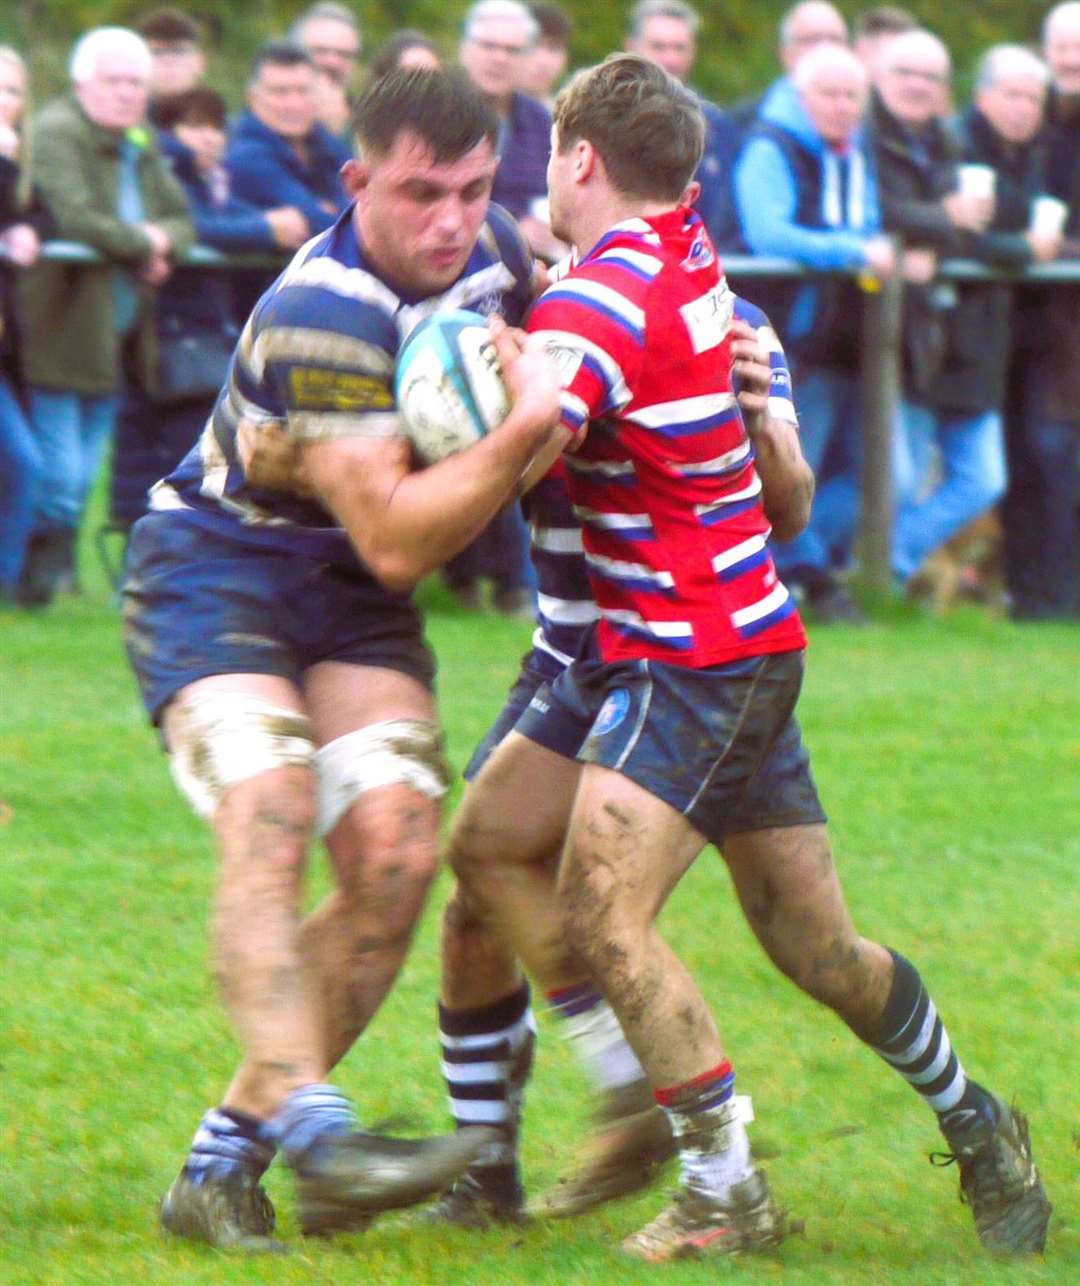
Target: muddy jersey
[
  {"x": 663, "y": 483},
  {"x": 316, "y": 361}
]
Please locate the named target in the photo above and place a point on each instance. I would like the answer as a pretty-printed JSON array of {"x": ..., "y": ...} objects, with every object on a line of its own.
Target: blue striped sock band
[
  {"x": 309, "y": 1114},
  {"x": 228, "y": 1140}
]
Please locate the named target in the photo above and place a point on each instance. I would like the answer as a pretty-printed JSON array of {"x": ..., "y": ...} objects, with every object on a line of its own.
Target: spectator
[
  {"x": 406, "y": 48},
  {"x": 954, "y": 343},
  {"x": 1042, "y": 432},
  {"x": 331, "y": 35},
  {"x": 666, "y": 31},
  {"x": 874, "y": 29},
  {"x": 1047, "y": 582},
  {"x": 109, "y": 188},
  {"x": 545, "y": 64},
  {"x": 498, "y": 35},
  {"x": 175, "y": 42},
  {"x": 802, "y": 28},
  {"x": 195, "y": 311},
  {"x": 278, "y": 153},
  {"x": 24, "y": 222},
  {"x": 806, "y": 190}
]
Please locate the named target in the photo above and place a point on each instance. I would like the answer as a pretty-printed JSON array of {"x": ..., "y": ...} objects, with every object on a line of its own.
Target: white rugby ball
[{"x": 448, "y": 385}]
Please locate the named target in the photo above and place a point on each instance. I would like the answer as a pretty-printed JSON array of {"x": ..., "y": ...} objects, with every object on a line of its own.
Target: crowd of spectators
[{"x": 857, "y": 162}]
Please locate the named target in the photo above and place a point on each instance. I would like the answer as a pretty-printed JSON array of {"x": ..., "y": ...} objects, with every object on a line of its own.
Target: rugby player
[
  {"x": 662, "y": 733},
  {"x": 268, "y": 620}
]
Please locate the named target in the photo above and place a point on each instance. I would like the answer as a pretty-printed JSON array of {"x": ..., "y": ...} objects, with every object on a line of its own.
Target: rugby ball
[{"x": 448, "y": 385}]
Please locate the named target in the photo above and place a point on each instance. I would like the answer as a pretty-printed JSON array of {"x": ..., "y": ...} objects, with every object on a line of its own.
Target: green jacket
[{"x": 69, "y": 338}]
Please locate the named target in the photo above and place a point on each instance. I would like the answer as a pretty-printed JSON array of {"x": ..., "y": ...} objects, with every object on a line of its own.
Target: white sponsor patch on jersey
[{"x": 708, "y": 319}]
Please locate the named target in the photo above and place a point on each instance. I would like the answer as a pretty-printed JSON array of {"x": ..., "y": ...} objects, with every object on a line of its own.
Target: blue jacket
[
  {"x": 771, "y": 188},
  {"x": 800, "y": 200},
  {"x": 268, "y": 172},
  {"x": 234, "y": 226}
]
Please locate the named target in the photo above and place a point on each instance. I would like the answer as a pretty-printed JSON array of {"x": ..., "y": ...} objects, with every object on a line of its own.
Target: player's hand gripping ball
[{"x": 449, "y": 385}]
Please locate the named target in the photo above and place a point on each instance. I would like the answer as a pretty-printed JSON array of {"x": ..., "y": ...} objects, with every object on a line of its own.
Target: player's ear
[
  {"x": 586, "y": 159},
  {"x": 690, "y": 193},
  {"x": 355, "y": 175}
]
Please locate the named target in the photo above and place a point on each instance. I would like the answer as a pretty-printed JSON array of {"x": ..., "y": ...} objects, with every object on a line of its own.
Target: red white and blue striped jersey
[
  {"x": 567, "y": 609},
  {"x": 663, "y": 482}
]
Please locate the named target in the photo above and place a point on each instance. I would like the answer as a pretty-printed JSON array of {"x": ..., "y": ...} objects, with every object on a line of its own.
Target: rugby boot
[
  {"x": 695, "y": 1225},
  {"x": 474, "y": 1201},
  {"x": 345, "y": 1179},
  {"x": 490, "y": 1191},
  {"x": 998, "y": 1179},
  {"x": 632, "y": 1140},
  {"x": 230, "y": 1212}
]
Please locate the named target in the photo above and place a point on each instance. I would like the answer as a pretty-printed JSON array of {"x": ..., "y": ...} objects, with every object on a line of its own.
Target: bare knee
[{"x": 263, "y": 828}]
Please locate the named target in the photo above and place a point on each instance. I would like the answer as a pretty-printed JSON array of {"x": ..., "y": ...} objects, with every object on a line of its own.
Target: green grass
[{"x": 948, "y": 754}]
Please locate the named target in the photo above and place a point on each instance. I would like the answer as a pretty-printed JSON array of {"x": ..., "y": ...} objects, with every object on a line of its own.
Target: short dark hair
[
  {"x": 885, "y": 20},
  {"x": 388, "y": 55},
  {"x": 648, "y": 128},
  {"x": 441, "y": 106},
  {"x": 556, "y": 25},
  {"x": 169, "y": 27},
  {"x": 197, "y": 106},
  {"x": 279, "y": 53}
]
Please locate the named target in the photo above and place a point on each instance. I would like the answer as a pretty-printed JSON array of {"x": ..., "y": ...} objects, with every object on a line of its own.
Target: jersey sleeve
[
  {"x": 328, "y": 361},
  {"x": 594, "y": 327}
]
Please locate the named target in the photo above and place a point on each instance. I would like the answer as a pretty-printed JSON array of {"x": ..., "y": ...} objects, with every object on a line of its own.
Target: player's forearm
[
  {"x": 787, "y": 481},
  {"x": 434, "y": 513}
]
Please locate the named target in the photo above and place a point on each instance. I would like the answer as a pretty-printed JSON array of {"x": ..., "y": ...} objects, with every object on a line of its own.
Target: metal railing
[{"x": 882, "y": 334}]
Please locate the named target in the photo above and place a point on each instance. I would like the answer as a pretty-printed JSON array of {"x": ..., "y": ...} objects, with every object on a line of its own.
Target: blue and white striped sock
[
  {"x": 912, "y": 1039},
  {"x": 307, "y": 1116},
  {"x": 229, "y": 1140}
]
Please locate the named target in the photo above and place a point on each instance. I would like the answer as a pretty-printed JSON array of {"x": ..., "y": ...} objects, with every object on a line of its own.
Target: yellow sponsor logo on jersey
[{"x": 315, "y": 389}]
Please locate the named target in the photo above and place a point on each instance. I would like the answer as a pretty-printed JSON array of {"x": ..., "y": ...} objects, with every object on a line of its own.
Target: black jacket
[
  {"x": 38, "y": 216},
  {"x": 973, "y": 372},
  {"x": 914, "y": 174}
]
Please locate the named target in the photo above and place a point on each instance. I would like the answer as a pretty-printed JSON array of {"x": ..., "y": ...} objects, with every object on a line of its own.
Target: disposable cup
[
  {"x": 977, "y": 180},
  {"x": 1048, "y": 216}
]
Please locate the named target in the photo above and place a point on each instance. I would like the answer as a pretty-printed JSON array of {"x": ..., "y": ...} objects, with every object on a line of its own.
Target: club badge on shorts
[{"x": 612, "y": 712}]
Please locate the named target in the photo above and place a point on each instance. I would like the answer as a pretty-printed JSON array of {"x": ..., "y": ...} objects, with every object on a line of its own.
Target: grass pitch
[{"x": 948, "y": 754}]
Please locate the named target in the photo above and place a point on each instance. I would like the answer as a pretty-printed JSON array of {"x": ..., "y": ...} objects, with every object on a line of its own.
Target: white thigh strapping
[
  {"x": 405, "y": 751},
  {"x": 221, "y": 738}
]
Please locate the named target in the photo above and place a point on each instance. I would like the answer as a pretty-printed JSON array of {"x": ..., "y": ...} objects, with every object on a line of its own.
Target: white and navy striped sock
[
  {"x": 596, "y": 1037},
  {"x": 912, "y": 1039},
  {"x": 228, "y": 1140},
  {"x": 309, "y": 1114},
  {"x": 486, "y": 1058}
]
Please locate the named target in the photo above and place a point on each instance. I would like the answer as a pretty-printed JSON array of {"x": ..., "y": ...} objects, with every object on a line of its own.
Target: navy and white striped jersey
[{"x": 316, "y": 361}]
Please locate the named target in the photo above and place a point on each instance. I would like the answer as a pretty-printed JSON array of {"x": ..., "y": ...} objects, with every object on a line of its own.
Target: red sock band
[{"x": 688, "y": 1089}]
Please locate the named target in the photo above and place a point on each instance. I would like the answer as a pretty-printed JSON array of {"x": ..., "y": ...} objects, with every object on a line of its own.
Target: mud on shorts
[
  {"x": 197, "y": 603},
  {"x": 721, "y": 745}
]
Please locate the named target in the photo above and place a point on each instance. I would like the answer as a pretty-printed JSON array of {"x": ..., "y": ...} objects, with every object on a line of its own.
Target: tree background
[{"x": 737, "y": 44}]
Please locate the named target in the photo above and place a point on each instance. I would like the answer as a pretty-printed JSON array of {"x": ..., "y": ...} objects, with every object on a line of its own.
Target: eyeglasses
[
  {"x": 184, "y": 50},
  {"x": 322, "y": 51},
  {"x": 917, "y": 73},
  {"x": 495, "y": 47}
]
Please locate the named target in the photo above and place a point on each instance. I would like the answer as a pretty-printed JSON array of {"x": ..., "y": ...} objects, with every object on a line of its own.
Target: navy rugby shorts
[
  {"x": 721, "y": 745},
  {"x": 197, "y": 603}
]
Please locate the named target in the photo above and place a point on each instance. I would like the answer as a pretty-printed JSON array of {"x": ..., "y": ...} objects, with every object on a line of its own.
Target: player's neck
[{"x": 597, "y": 222}]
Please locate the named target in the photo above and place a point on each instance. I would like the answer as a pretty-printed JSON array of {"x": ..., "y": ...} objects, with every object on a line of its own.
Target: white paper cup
[
  {"x": 976, "y": 180},
  {"x": 1048, "y": 216}
]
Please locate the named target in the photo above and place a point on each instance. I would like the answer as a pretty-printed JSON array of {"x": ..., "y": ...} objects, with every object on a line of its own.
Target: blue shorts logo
[{"x": 612, "y": 712}]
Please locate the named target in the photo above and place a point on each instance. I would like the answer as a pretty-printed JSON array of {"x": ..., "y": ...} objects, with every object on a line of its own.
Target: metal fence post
[{"x": 881, "y": 372}]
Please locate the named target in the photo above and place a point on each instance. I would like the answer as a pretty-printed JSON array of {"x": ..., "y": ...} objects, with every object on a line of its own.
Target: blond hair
[{"x": 23, "y": 184}]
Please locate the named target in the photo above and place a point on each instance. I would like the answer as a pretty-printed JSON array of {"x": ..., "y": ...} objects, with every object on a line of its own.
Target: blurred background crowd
[{"x": 860, "y": 161}]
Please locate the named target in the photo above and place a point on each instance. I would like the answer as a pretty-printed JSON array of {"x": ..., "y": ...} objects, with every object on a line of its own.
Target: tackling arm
[{"x": 405, "y": 524}]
